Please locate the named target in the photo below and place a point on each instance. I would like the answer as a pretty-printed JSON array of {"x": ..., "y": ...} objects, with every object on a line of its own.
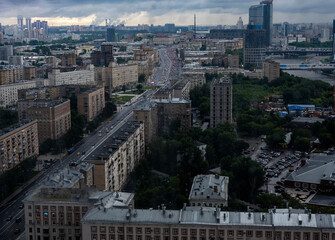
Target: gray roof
[
  {"x": 84, "y": 195},
  {"x": 319, "y": 167},
  {"x": 16, "y": 127},
  {"x": 209, "y": 187},
  {"x": 105, "y": 150},
  {"x": 210, "y": 216}
]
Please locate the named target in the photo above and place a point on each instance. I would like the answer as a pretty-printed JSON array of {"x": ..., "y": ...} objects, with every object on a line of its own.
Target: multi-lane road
[{"x": 14, "y": 228}]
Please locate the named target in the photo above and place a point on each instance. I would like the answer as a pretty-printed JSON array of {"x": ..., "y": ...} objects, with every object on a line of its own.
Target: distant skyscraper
[
  {"x": 195, "y": 25},
  {"x": 20, "y": 22},
  {"x": 285, "y": 29},
  {"x": 260, "y": 17},
  {"x": 239, "y": 24},
  {"x": 334, "y": 40},
  {"x": 110, "y": 35},
  {"x": 28, "y": 23},
  {"x": 170, "y": 27},
  {"x": 221, "y": 101}
]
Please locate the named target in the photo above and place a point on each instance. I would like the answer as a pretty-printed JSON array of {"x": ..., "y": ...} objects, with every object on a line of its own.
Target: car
[
  {"x": 17, "y": 231},
  {"x": 18, "y": 220},
  {"x": 21, "y": 206},
  {"x": 9, "y": 218}
]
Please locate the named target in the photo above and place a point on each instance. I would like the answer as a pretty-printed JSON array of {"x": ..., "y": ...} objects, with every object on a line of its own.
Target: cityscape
[{"x": 167, "y": 121}]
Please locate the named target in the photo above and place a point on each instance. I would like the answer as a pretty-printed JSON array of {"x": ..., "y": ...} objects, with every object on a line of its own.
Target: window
[
  {"x": 166, "y": 231},
  {"x": 175, "y": 231},
  {"x": 278, "y": 235},
  {"x": 221, "y": 233},
  {"x": 93, "y": 229},
  {"x": 103, "y": 229},
  {"x": 194, "y": 231},
  {"x": 139, "y": 230},
  {"x": 120, "y": 229},
  {"x": 259, "y": 234},
  {"x": 230, "y": 233},
  {"x": 325, "y": 236},
  {"x": 297, "y": 236},
  {"x": 147, "y": 230},
  {"x": 184, "y": 231},
  {"x": 239, "y": 233},
  {"x": 202, "y": 232},
  {"x": 268, "y": 234},
  {"x": 287, "y": 236},
  {"x": 316, "y": 236},
  {"x": 249, "y": 233},
  {"x": 129, "y": 230},
  {"x": 111, "y": 229},
  {"x": 157, "y": 230},
  {"x": 307, "y": 237}
]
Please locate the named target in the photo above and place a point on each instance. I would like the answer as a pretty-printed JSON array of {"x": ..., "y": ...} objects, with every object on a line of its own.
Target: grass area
[
  {"x": 136, "y": 92},
  {"x": 121, "y": 99},
  {"x": 149, "y": 87}
]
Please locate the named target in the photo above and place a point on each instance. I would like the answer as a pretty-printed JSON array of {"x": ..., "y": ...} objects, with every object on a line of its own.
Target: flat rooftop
[{"x": 16, "y": 127}]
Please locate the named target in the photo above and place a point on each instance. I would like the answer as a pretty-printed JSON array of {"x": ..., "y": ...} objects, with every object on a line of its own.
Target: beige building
[
  {"x": 91, "y": 103},
  {"x": 181, "y": 90},
  {"x": 9, "y": 92},
  {"x": 29, "y": 73},
  {"x": 196, "y": 79},
  {"x": 117, "y": 75},
  {"x": 11, "y": 74},
  {"x": 233, "y": 61},
  {"x": 271, "y": 70},
  {"x": 54, "y": 116},
  {"x": 163, "y": 93},
  {"x": 209, "y": 190},
  {"x": 221, "y": 101},
  {"x": 115, "y": 159},
  {"x": 158, "y": 114},
  {"x": 204, "y": 223},
  {"x": 17, "y": 143},
  {"x": 68, "y": 59}
]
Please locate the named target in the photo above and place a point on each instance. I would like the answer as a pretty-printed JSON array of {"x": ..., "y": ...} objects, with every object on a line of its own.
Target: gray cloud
[{"x": 306, "y": 10}]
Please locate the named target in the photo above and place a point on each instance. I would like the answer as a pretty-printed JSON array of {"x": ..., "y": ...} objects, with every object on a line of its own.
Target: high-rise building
[
  {"x": 271, "y": 70},
  {"x": 239, "y": 24},
  {"x": 5, "y": 52},
  {"x": 254, "y": 45},
  {"x": 334, "y": 40},
  {"x": 28, "y": 23},
  {"x": 170, "y": 27},
  {"x": 324, "y": 35},
  {"x": 110, "y": 35},
  {"x": 260, "y": 17},
  {"x": 20, "y": 22},
  {"x": 285, "y": 29},
  {"x": 221, "y": 101}
]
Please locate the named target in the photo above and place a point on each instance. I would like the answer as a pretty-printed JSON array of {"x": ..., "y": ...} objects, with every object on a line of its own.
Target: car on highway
[
  {"x": 18, "y": 220},
  {"x": 21, "y": 206},
  {"x": 9, "y": 218},
  {"x": 17, "y": 231}
]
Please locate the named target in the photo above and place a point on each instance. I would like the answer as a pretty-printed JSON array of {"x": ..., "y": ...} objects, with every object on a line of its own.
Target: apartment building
[
  {"x": 209, "y": 191},
  {"x": 221, "y": 101},
  {"x": 271, "y": 70},
  {"x": 202, "y": 223},
  {"x": 196, "y": 79},
  {"x": 91, "y": 102},
  {"x": 54, "y": 116},
  {"x": 158, "y": 115},
  {"x": 68, "y": 59},
  {"x": 17, "y": 143},
  {"x": 9, "y": 92},
  {"x": 29, "y": 73},
  {"x": 10, "y": 74},
  {"x": 115, "y": 159},
  {"x": 90, "y": 98},
  {"x": 181, "y": 90},
  {"x": 80, "y": 77}
]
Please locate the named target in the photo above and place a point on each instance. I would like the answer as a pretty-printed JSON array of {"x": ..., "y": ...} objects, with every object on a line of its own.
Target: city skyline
[{"x": 212, "y": 12}]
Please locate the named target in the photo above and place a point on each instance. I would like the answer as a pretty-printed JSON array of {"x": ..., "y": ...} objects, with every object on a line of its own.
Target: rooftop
[
  {"x": 319, "y": 167},
  {"x": 105, "y": 150},
  {"x": 16, "y": 127},
  {"x": 209, "y": 187},
  {"x": 211, "y": 216}
]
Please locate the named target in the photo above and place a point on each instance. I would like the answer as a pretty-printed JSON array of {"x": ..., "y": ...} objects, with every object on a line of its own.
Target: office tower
[
  {"x": 334, "y": 40},
  {"x": 28, "y": 23},
  {"x": 285, "y": 29},
  {"x": 221, "y": 101},
  {"x": 239, "y": 24},
  {"x": 254, "y": 45},
  {"x": 5, "y": 52},
  {"x": 324, "y": 35},
  {"x": 170, "y": 27},
  {"x": 260, "y": 17},
  {"x": 44, "y": 25},
  {"x": 20, "y": 22},
  {"x": 195, "y": 25},
  {"x": 0, "y": 27},
  {"x": 110, "y": 35}
]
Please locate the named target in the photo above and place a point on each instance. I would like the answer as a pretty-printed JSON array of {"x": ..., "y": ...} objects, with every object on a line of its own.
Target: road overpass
[{"x": 307, "y": 66}]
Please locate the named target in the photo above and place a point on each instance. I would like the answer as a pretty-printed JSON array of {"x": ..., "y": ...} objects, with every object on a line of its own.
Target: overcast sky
[{"x": 180, "y": 12}]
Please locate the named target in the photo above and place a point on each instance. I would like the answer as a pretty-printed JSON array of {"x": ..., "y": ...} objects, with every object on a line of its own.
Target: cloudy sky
[{"x": 180, "y": 12}]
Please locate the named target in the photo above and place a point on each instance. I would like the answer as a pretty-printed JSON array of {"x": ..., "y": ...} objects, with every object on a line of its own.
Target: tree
[
  {"x": 139, "y": 87},
  {"x": 301, "y": 144},
  {"x": 141, "y": 78},
  {"x": 276, "y": 138}
]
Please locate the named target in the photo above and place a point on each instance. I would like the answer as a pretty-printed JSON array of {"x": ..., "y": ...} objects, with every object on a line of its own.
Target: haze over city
[{"x": 133, "y": 12}]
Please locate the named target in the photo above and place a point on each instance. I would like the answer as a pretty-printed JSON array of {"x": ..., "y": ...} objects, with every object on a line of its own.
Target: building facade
[
  {"x": 17, "y": 143},
  {"x": 91, "y": 103},
  {"x": 271, "y": 70},
  {"x": 9, "y": 92},
  {"x": 221, "y": 101},
  {"x": 254, "y": 48},
  {"x": 114, "y": 161},
  {"x": 200, "y": 223},
  {"x": 54, "y": 116},
  {"x": 81, "y": 77}
]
